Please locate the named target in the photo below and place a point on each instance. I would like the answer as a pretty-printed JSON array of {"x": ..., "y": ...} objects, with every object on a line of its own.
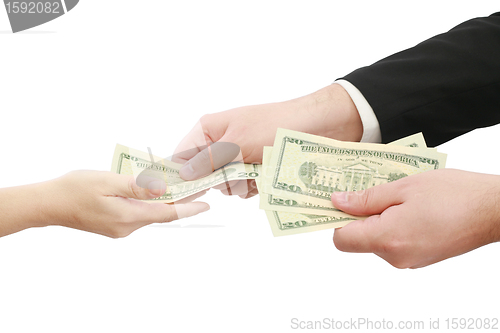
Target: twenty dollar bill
[
  {"x": 301, "y": 172},
  {"x": 146, "y": 167}
]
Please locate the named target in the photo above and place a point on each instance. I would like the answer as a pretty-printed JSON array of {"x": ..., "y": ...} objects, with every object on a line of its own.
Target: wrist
[
  {"x": 56, "y": 206},
  {"x": 22, "y": 208},
  {"x": 336, "y": 114},
  {"x": 484, "y": 203},
  {"x": 45, "y": 203},
  {"x": 39, "y": 204},
  {"x": 495, "y": 197}
]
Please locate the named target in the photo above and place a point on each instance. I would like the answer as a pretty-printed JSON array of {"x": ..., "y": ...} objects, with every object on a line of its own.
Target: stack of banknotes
[
  {"x": 301, "y": 171},
  {"x": 297, "y": 177}
]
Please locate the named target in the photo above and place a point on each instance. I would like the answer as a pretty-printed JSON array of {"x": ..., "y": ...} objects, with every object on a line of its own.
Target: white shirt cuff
[{"x": 371, "y": 127}]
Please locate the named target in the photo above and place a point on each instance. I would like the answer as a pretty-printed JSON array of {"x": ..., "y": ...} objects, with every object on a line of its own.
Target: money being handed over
[
  {"x": 144, "y": 167},
  {"x": 297, "y": 176}
]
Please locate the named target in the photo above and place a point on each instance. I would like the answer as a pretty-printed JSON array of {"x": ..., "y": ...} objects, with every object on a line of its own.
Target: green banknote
[
  {"x": 270, "y": 202},
  {"x": 326, "y": 165},
  {"x": 143, "y": 166},
  {"x": 296, "y": 205},
  {"x": 311, "y": 168},
  {"x": 285, "y": 223}
]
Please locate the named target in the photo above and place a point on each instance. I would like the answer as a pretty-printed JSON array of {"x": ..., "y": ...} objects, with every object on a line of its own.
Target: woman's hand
[{"x": 96, "y": 201}]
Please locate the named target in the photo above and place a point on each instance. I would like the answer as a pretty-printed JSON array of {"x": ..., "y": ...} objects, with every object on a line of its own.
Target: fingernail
[
  {"x": 190, "y": 209},
  {"x": 187, "y": 171},
  {"x": 157, "y": 187},
  {"x": 204, "y": 209},
  {"x": 340, "y": 197}
]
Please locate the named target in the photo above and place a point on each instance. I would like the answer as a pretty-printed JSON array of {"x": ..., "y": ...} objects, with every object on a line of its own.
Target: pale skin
[
  {"x": 422, "y": 219},
  {"x": 96, "y": 201},
  {"x": 414, "y": 222},
  {"x": 327, "y": 112},
  {"x": 109, "y": 204}
]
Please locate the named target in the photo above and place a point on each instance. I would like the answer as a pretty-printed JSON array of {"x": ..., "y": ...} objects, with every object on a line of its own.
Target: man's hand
[
  {"x": 422, "y": 219},
  {"x": 328, "y": 112}
]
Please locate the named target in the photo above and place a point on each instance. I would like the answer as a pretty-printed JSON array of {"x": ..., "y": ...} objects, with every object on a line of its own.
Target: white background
[{"x": 141, "y": 73}]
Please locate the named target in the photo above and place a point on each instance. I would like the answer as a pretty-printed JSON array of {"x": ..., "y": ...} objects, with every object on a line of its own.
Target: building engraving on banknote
[{"x": 340, "y": 169}]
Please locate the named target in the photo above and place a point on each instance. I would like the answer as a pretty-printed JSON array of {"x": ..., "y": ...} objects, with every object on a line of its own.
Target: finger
[
  {"x": 225, "y": 185},
  {"x": 206, "y": 161},
  {"x": 250, "y": 194},
  {"x": 368, "y": 202},
  {"x": 233, "y": 188},
  {"x": 209, "y": 129},
  {"x": 190, "y": 209},
  {"x": 150, "y": 178},
  {"x": 127, "y": 187},
  {"x": 191, "y": 197},
  {"x": 252, "y": 189},
  {"x": 240, "y": 188},
  {"x": 194, "y": 142},
  {"x": 147, "y": 213},
  {"x": 251, "y": 184},
  {"x": 358, "y": 236},
  {"x": 185, "y": 155},
  {"x": 243, "y": 189}
]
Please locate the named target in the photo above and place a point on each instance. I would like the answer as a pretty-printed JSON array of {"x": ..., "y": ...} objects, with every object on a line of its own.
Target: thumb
[
  {"x": 368, "y": 202},
  {"x": 209, "y": 159},
  {"x": 126, "y": 186}
]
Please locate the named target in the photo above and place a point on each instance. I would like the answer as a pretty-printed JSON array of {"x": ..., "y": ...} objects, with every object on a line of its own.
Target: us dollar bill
[
  {"x": 144, "y": 166},
  {"x": 271, "y": 202},
  {"x": 285, "y": 223},
  {"x": 310, "y": 168},
  {"x": 413, "y": 141},
  {"x": 290, "y": 214}
]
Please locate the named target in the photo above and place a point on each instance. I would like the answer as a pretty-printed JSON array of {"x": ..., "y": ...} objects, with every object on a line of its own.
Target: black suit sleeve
[{"x": 444, "y": 87}]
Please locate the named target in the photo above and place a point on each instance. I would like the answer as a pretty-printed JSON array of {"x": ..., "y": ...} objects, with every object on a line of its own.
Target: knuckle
[
  {"x": 202, "y": 159},
  {"x": 135, "y": 190},
  {"x": 169, "y": 218},
  {"x": 404, "y": 185},
  {"x": 70, "y": 179},
  {"x": 390, "y": 247},
  {"x": 338, "y": 242},
  {"x": 119, "y": 233},
  {"x": 401, "y": 263},
  {"x": 171, "y": 215},
  {"x": 395, "y": 252},
  {"x": 206, "y": 122},
  {"x": 204, "y": 118},
  {"x": 366, "y": 197}
]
